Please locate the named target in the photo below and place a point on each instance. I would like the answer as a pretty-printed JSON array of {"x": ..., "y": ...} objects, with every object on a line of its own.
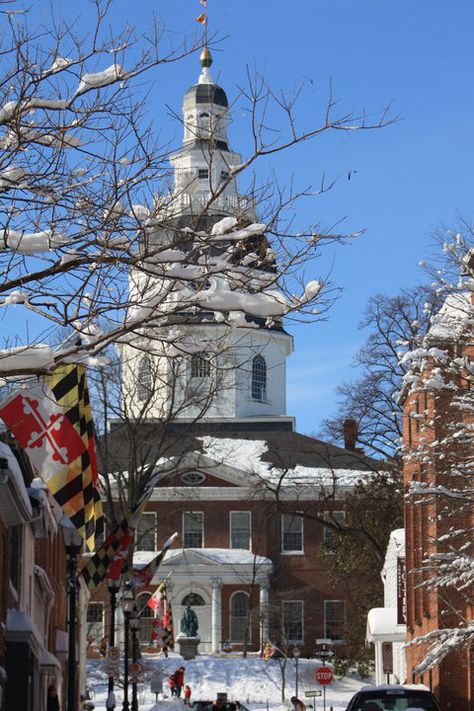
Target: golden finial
[{"x": 205, "y": 58}]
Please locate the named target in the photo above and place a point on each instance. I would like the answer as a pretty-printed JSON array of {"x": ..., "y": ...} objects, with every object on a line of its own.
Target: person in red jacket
[
  {"x": 187, "y": 695},
  {"x": 176, "y": 682}
]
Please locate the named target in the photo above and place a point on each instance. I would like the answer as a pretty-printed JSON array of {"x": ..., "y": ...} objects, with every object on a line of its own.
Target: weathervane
[{"x": 203, "y": 20}]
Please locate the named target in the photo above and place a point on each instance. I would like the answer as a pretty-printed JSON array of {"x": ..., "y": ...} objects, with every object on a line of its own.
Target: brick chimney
[{"x": 350, "y": 435}]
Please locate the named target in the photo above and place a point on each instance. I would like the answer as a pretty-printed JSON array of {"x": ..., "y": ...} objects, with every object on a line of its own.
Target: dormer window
[
  {"x": 203, "y": 173},
  {"x": 224, "y": 175}
]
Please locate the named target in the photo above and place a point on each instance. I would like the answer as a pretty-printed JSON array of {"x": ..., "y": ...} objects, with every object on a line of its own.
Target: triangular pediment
[{"x": 197, "y": 470}]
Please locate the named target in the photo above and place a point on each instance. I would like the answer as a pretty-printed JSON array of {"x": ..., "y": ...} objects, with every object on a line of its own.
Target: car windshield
[{"x": 388, "y": 702}]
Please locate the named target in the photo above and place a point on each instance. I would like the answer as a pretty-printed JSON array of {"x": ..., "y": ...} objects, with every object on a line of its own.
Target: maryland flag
[
  {"x": 162, "y": 625},
  {"x": 202, "y": 19},
  {"x": 69, "y": 386},
  {"x": 96, "y": 569},
  {"x": 141, "y": 577},
  {"x": 120, "y": 557},
  {"x": 52, "y": 422}
]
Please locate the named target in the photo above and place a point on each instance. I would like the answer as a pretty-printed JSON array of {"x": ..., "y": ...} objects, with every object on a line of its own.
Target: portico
[{"x": 201, "y": 576}]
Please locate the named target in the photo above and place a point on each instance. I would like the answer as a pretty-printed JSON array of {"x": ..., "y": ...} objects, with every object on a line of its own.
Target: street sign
[
  {"x": 113, "y": 669},
  {"x": 387, "y": 657},
  {"x": 313, "y": 692},
  {"x": 114, "y": 654},
  {"x": 324, "y": 654},
  {"x": 135, "y": 669},
  {"x": 324, "y": 675}
]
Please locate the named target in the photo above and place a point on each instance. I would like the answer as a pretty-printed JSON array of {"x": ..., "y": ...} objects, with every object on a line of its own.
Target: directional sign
[
  {"x": 324, "y": 675},
  {"x": 313, "y": 692}
]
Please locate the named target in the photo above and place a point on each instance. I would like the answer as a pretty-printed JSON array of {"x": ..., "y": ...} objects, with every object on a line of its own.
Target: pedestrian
[
  {"x": 179, "y": 680},
  {"x": 172, "y": 684},
  {"x": 298, "y": 705},
  {"x": 187, "y": 695},
  {"x": 53, "y": 700}
]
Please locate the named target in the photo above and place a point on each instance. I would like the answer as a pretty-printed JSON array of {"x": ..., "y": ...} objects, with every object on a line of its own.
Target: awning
[
  {"x": 49, "y": 664},
  {"x": 382, "y": 626}
]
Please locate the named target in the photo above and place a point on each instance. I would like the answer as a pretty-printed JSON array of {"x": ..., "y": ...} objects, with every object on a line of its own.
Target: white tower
[{"x": 222, "y": 372}]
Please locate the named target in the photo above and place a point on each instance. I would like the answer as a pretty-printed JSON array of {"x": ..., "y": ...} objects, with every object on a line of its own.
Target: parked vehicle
[{"x": 406, "y": 697}]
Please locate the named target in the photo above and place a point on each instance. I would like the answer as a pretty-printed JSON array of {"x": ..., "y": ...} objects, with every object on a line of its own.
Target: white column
[
  {"x": 216, "y": 616},
  {"x": 264, "y": 633}
]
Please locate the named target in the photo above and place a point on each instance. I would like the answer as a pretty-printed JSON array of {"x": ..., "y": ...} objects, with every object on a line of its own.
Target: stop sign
[{"x": 324, "y": 675}]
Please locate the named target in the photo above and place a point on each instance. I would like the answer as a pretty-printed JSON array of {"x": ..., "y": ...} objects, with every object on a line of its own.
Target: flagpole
[{"x": 162, "y": 583}]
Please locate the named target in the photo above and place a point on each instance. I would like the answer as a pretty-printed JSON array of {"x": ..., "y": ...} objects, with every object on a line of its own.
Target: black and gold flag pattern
[
  {"x": 95, "y": 571},
  {"x": 77, "y": 490}
]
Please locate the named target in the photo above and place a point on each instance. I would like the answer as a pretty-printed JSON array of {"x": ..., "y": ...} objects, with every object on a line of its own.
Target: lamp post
[
  {"x": 127, "y": 607},
  {"x": 113, "y": 586},
  {"x": 134, "y": 627},
  {"x": 73, "y": 544},
  {"x": 296, "y": 654}
]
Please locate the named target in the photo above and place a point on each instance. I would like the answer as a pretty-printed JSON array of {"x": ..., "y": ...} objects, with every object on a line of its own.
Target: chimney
[{"x": 350, "y": 434}]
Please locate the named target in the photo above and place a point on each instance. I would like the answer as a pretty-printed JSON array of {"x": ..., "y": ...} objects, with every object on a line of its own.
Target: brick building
[
  {"x": 33, "y": 637},
  {"x": 439, "y": 514}
]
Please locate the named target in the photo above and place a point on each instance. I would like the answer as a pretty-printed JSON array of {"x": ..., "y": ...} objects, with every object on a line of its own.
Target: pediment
[{"x": 196, "y": 470}]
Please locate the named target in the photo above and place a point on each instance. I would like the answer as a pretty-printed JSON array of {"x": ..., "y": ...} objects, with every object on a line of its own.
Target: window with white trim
[
  {"x": 330, "y": 533},
  {"x": 145, "y": 618},
  {"x": 259, "y": 378},
  {"x": 146, "y": 532},
  {"x": 203, "y": 173},
  {"x": 292, "y": 621},
  {"x": 95, "y": 621},
  {"x": 145, "y": 379},
  {"x": 200, "y": 366},
  {"x": 334, "y": 619},
  {"x": 193, "y": 529},
  {"x": 240, "y": 529},
  {"x": 292, "y": 533},
  {"x": 239, "y": 616}
]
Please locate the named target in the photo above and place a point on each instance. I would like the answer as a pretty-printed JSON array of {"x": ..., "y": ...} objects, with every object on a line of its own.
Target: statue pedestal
[{"x": 188, "y": 646}]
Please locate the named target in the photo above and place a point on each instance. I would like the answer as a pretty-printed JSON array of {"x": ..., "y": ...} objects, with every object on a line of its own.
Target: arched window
[
  {"x": 259, "y": 378},
  {"x": 146, "y": 616},
  {"x": 145, "y": 379},
  {"x": 200, "y": 366},
  {"x": 194, "y": 599},
  {"x": 239, "y": 616}
]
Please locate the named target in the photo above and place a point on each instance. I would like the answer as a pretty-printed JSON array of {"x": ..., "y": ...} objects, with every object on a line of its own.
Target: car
[
  {"x": 224, "y": 706},
  {"x": 393, "y": 697}
]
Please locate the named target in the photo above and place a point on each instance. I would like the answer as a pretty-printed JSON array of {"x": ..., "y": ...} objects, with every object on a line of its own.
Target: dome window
[
  {"x": 259, "y": 378},
  {"x": 145, "y": 380}
]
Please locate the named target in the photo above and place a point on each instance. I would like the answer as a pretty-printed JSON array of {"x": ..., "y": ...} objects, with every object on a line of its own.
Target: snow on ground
[{"x": 254, "y": 682}]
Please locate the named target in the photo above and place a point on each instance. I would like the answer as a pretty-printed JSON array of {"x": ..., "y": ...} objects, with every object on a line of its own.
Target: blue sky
[{"x": 411, "y": 177}]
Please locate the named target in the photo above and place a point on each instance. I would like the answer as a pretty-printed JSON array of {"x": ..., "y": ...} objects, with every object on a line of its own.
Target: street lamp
[
  {"x": 296, "y": 654},
  {"x": 113, "y": 586},
  {"x": 134, "y": 627},
  {"x": 127, "y": 607},
  {"x": 73, "y": 544}
]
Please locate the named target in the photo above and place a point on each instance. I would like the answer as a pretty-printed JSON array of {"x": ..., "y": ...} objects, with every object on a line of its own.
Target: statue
[{"x": 189, "y": 622}]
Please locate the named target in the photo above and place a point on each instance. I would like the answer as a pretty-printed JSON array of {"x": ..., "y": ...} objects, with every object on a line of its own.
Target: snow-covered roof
[
  {"x": 221, "y": 556},
  {"x": 15, "y": 506},
  {"x": 453, "y": 317},
  {"x": 247, "y": 455},
  {"x": 382, "y": 625},
  {"x": 18, "y": 622}
]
